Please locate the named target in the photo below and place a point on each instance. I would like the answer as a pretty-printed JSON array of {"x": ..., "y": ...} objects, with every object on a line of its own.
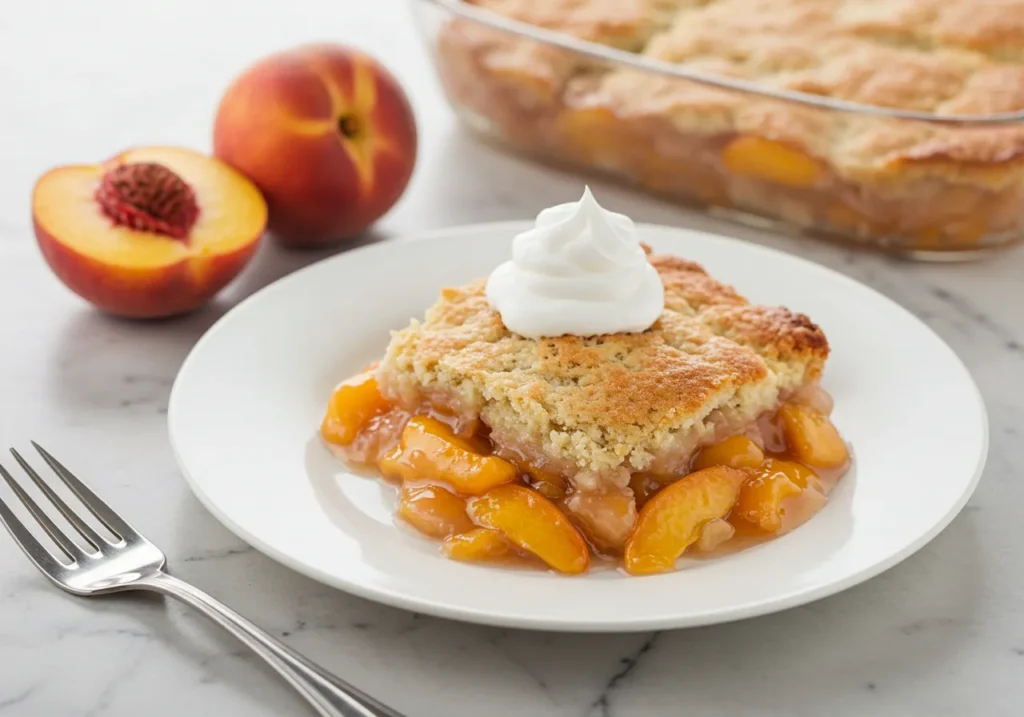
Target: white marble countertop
[{"x": 941, "y": 634}]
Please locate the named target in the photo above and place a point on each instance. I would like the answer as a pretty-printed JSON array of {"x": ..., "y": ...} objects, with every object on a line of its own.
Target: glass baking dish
[{"x": 916, "y": 183}]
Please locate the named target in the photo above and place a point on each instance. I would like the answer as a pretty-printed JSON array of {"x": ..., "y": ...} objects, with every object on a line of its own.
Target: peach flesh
[{"x": 147, "y": 274}]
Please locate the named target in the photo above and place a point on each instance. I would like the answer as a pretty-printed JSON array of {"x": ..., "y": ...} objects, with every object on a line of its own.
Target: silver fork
[{"x": 134, "y": 563}]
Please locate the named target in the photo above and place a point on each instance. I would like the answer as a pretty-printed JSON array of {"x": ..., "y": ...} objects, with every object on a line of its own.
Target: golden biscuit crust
[
  {"x": 944, "y": 57},
  {"x": 536, "y": 72},
  {"x": 711, "y": 364},
  {"x": 626, "y": 24}
]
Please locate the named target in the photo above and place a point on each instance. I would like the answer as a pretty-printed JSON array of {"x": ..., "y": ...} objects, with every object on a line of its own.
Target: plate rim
[{"x": 628, "y": 624}]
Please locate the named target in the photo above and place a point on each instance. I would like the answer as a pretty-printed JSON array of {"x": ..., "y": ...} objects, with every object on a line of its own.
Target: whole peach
[{"x": 326, "y": 133}]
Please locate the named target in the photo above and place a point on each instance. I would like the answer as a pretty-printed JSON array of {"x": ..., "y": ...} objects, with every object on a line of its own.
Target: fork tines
[{"x": 42, "y": 557}]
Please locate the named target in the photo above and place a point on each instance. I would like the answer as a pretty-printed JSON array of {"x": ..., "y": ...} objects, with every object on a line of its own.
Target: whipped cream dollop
[{"x": 580, "y": 271}]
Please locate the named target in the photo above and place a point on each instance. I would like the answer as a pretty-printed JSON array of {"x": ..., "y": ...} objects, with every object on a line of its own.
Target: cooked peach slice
[
  {"x": 643, "y": 487},
  {"x": 672, "y": 520},
  {"x": 762, "y": 500},
  {"x": 535, "y": 524},
  {"x": 801, "y": 509},
  {"x": 430, "y": 450},
  {"x": 814, "y": 396},
  {"x": 783, "y": 495},
  {"x": 811, "y": 437},
  {"x": 796, "y": 472},
  {"x": 352, "y": 405},
  {"x": 735, "y": 452},
  {"x": 390, "y": 464},
  {"x": 714, "y": 533},
  {"x": 606, "y": 518},
  {"x": 550, "y": 486},
  {"x": 772, "y": 161},
  {"x": 476, "y": 545},
  {"x": 548, "y": 483},
  {"x": 153, "y": 232},
  {"x": 594, "y": 134},
  {"x": 380, "y": 435},
  {"x": 433, "y": 511}
]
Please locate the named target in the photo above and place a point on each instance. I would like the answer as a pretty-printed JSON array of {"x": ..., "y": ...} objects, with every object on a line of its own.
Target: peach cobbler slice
[{"x": 698, "y": 435}]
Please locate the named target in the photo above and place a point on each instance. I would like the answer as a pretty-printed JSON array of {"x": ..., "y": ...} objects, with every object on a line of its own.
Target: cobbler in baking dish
[
  {"x": 905, "y": 184},
  {"x": 703, "y": 431}
]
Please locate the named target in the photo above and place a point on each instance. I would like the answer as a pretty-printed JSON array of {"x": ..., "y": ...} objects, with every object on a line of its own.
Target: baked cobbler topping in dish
[
  {"x": 580, "y": 271},
  {"x": 902, "y": 183},
  {"x": 708, "y": 429}
]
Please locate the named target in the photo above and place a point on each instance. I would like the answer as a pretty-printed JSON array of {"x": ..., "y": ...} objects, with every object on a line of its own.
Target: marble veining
[
  {"x": 602, "y": 706},
  {"x": 940, "y": 635}
]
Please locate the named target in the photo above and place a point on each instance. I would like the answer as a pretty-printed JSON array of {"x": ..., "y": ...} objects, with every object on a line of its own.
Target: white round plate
[{"x": 246, "y": 407}]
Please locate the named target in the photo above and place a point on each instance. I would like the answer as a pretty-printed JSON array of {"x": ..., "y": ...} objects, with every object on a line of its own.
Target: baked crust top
[
  {"x": 599, "y": 401},
  {"x": 945, "y": 57}
]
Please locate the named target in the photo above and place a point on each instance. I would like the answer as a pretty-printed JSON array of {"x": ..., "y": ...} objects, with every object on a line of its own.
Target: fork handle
[{"x": 329, "y": 695}]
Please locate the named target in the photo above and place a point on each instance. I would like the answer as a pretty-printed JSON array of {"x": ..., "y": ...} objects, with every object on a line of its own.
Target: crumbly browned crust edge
[
  {"x": 613, "y": 404},
  {"x": 940, "y": 56}
]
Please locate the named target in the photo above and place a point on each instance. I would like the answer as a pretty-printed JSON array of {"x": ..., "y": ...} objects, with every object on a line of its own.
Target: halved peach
[
  {"x": 153, "y": 232},
  {"x": 672, "y": 520},
  {"x": 735, "y": 452},
  {"x": 430, "y": 450},
  {"x": 811, "y": 437},
  {"x": 535, "y": 524},
  {"x": 433, "y": 511},
  {"x": 476, "y": 545}
]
